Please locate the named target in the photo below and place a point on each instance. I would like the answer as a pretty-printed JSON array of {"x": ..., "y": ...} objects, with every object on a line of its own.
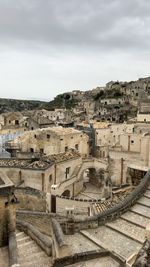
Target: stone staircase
[
  {"x": 125, "y": 235},
  {"x": 29, "y": 253}
]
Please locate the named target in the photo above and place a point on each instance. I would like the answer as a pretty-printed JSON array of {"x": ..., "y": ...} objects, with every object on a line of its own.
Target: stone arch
[
  {"x": 66, "y": 193},
  {"x": 91, "y": 164}
]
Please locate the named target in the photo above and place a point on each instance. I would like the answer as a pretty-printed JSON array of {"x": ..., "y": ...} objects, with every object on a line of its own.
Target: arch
[
  {"x": 66, "y": 193},
  {"x": 92, "y": 163}
]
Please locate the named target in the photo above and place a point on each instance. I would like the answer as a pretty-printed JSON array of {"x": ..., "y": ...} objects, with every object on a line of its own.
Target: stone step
[
  {"x": 135, "y": 218},
  {"x": 115, "y": 241},
  {"x": 142, "y": 210},
  {"x": 32, "y": 256},
  {"x": 144, "y": 201},
  {"x": 29, "y": 253},
  {"x": 20, "y": 234},
  {"x": 43, "y": 263},
  {"x": 128, "y": 229},
  {"x": 147, "y": 193},
  {"x": 23, "y": 240},
  {"x": 23, "y": 251}
]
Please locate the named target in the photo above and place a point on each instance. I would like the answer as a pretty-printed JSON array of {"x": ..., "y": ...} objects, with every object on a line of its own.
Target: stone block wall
[{"x": 30, "y": 199}]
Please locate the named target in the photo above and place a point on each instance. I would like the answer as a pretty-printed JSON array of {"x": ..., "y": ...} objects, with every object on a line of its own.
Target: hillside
[{"x": 10, "y": 105}]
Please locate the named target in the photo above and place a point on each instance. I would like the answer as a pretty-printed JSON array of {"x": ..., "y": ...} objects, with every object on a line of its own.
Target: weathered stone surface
[
  {"x": 144, "y": 201},
  {"x": 141, "y": 210},
  {"x": 135, "y": 218},
  {"x": 30, "y": 254},
  {"x": 102, "y": 262},
  {"x": 79, "y": 243},
  {"x": 115, "y": 241},
  {"x": 129, "y": 229}
]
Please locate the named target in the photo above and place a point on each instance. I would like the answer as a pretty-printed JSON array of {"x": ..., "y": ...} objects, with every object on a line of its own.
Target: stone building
[
  {"x": 58, "y": 170},
  {"x": 50, "y": 141}
]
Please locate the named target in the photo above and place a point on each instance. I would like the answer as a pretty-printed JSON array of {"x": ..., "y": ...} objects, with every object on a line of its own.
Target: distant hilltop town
[{"x": 116, "y": 100}]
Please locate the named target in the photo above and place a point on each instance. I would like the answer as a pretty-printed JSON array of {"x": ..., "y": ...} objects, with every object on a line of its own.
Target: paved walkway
[{"x": 90, "y": 192}]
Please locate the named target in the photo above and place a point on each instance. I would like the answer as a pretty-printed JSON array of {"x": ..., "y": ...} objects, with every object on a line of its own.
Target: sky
[{"x": 48, "y": 47}]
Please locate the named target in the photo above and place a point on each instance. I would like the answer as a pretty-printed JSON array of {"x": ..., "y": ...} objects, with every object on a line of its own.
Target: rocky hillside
[
  {"x": 10, "y": 105},
  {"x": 113, "y": 89}
]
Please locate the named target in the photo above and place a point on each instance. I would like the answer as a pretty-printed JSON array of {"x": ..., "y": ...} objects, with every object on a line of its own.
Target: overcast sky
[{"x": 52, "y": 46}]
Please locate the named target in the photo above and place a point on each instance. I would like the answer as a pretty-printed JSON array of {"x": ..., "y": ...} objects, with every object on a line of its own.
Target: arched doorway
[{"x": 66, "y": 193}]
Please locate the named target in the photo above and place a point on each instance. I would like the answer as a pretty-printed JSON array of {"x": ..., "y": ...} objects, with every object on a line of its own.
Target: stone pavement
[{"x": 102, "y": 262}]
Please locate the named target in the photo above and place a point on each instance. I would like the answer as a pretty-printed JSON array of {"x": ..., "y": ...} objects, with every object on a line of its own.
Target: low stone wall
[
  {"x": 80, "y": 207},
  {"x": 42, "y": 240},
  {"x": 85, "y": 256},
  {"x": 80, "y": 199},
  {"x": 30, "y": 199}
]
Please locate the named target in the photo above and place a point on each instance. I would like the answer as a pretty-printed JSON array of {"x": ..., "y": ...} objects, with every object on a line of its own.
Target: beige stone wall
[
  {"x": 30, "y": 200},
  {"x": 119, "y": 162},
  {"x": 62, "y": 166},
  {"x": 111, "y": 134},
  {"x": 131, "y": 142},
  {"x": 43, "y": 179},
  {"x": 143, "y": 117}
]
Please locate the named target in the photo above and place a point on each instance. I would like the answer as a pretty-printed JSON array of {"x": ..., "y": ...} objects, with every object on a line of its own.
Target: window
[
  {"x": 32, "y": 150},
  {"x": 16, "y": 122},
  {"x": 50, "y": 178},
  {"x": 67, "y": 172},
  {"x": 32, "y": 128},
  {"x": 48, "y": 136},
  {"x": 66, "y": 148},
  {"x": 76, "y": 146},
  {"x": 132, "y": 141},
  {"x": 61, "y": 139},
  {"x": 35, "y": 136},
  {"x": 71, "y": 137},
  {"x": 41, "y": 150}
]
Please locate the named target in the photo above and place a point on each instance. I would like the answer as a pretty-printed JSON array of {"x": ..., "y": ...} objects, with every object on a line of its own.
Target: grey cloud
[{"x": 102, "y": 24}]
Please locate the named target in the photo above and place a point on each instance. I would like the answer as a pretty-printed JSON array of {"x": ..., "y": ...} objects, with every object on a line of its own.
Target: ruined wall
[{"x": 30, "y": 199}]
